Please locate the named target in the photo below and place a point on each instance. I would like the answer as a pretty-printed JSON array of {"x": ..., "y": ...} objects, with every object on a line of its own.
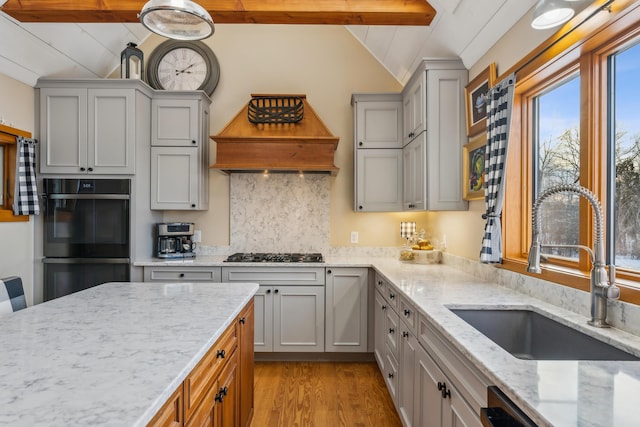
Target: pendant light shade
[
  {"x": 177, "y": 19},
  {"x": 551, "y": 13}
]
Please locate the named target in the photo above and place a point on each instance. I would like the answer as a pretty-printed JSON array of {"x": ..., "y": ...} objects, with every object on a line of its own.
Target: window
[
  {"x": 575, "y": 120},
  {"x": 8, "y": 148}
]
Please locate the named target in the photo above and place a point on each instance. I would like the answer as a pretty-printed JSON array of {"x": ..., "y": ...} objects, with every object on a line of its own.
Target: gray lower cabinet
[
  {"x": 347, "y": 309},
  {"x": 289, "y": 307},
  {"x": 182, "y": 274},
  {"x": 433, "y": 388}
]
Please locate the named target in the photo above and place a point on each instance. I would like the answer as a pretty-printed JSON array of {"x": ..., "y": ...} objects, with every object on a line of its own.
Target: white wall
[{"x": 16, "y": 238}]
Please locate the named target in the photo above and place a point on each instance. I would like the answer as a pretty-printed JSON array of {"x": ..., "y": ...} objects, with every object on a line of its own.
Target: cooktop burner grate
[{"x": 275, "y": 257}]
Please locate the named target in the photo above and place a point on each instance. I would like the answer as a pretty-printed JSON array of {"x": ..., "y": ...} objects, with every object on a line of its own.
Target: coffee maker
[{"x": 175, "y": 240}]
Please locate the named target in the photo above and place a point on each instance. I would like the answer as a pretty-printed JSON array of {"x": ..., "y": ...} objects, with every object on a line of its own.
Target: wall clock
[{"x": 183, "y": 65}]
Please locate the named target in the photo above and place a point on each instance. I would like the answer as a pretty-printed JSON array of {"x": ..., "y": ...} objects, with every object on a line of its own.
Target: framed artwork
[
  {"x": 476, "y": 100},
  {"x": 473, "y": 169}
]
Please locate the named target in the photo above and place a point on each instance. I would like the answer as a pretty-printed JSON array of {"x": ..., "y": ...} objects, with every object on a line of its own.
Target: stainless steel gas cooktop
[{"x": 275, "y": 257}]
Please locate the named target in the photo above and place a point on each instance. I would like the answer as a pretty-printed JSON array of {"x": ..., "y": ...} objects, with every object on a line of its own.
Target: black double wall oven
[{"x": 86, "y": 234}]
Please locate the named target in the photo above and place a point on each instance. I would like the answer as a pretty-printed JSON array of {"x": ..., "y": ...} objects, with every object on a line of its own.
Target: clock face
[
  {"x": 182, "y": 69},
  {"x": 183, "y": 65}
]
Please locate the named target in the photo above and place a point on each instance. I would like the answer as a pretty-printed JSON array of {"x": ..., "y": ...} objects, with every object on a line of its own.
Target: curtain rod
[{"x": 605, "y": 6}]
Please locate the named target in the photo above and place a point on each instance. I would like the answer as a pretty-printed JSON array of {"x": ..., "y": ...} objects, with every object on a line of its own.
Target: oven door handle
[
  {"x": 87, "y": 196},
  {"x": 86, "y": 260}
]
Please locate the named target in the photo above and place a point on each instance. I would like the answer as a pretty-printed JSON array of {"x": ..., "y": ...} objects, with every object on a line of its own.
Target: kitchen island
[{"x": 111, "y": 355}]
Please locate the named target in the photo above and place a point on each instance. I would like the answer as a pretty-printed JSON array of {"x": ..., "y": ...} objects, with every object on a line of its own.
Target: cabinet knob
[
  {"x": 360, "y": 207},
  {"x": 379, "y": 282},
  {"x": 275, "y": 292},
  {"x": 360, "y": 144},
  {"x": 220, "y": 354},
  {"x": 242, "y": 320},
  {"x": 181, "y": 275},
  {"x": 407, "y": 312},
  {"x": 391, "y": 330},
  {"x": 82, "y": 169},
  {"x": 405, "y": 334},
  {"x": 328, "y": 271},
  {"x": 90, "y": 169},
  {"x": 193, "y": 141},
  {"x": 268, "y": 291},
  {"x": 392, "y": 296},
  {"x": 390, "y": 375},
  {"x": 193, "y": 205},
  {"x": 384, "y": 307}
]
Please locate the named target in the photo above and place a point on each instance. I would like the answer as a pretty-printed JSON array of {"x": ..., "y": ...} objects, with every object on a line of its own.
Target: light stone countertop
[
  {"x": 552, "y": 393},
  {"x": 110, "y": 355}
]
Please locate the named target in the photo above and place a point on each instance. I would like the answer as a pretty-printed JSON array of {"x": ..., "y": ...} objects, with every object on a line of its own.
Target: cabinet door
[
  {"x": 298, "y": 318},
  {"x": 415, "y": 174},
  {"x": 446, "y": 136},
  {"x": 379, "y": 321},
  {"x": 111, "y": 131},
  {"x": 174, "y": 178},
  {"x": 392, "y": 332},
  {"x": 175, "y": 122},
  {"x": 246, "y": 321},
  {"x": 406, "y": 371},
  {"x": 457, "y": 413},
  {"x": 228, "y": 394},
  {"x": 378, "y": 180},
  {"x": 63, "y": 130},
  {"x": 427, "y": 397},
  {"x": 346, "y": 309},
  {"x": 170, "y": 415},
  {"x": 414, "y": 110},
  {"x": 379, "y": 124},
  {"x": 263, "y": 324}
]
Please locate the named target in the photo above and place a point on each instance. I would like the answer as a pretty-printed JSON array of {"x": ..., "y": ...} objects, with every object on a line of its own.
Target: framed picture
[
  {"x": 476, "y": 100},
  {"x": 473, "y": 169}
]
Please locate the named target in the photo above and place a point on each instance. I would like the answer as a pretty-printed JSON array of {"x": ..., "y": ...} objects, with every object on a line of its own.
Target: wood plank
[
  {"x": 322, "y": 394},
  {"x": 332, "y": 12}
]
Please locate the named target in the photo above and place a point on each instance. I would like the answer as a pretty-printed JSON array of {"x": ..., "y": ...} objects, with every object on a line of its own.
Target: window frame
[
  {"x": 8, "y": 141},
  {"x": 584, "y": 47}
]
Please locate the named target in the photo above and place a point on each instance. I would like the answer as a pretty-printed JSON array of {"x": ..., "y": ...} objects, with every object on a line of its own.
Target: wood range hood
[{"x": 305, "y": 146}]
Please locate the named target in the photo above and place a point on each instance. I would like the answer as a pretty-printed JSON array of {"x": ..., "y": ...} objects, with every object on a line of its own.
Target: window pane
[
  {"x": 557, "y": 150},
  {"x": 626, "y": 95}
]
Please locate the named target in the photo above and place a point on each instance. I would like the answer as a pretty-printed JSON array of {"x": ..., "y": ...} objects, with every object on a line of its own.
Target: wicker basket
[{"x": 275, "y": 109}]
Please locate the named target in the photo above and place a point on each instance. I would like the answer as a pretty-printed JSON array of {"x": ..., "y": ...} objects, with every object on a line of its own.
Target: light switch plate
[
  {"x": 197, "y": 236},
  {"x": 354, "y": 237}
]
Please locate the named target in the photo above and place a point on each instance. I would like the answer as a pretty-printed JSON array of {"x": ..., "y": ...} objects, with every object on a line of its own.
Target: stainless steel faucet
[{"x": 603, "y": 286}]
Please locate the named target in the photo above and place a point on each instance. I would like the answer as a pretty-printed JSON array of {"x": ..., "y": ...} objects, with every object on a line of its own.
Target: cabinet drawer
[
  {"x": 182, "y": 274},
  {"x": 391, "y": 377},
  {"x": 203, "y": 415},
  {"x": 281, "y": 276},
  {"x": 408, "y": 314},
  {"x": 170, "y": 415},
  {"x": 392, "y": 296},
  {"x": 200, "y": 380},
  {"x": 392, "y": 333}
]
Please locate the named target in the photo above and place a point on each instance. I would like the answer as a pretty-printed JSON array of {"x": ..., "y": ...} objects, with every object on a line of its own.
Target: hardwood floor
[{"x": 320, "y": 394}]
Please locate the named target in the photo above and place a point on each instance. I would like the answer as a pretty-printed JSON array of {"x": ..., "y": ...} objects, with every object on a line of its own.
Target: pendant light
[
  {"x": 551, "y": 13},
  {"x": 177, "y": 19}
]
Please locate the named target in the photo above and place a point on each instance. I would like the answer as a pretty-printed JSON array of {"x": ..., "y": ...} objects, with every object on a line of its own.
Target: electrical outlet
[
  {"x": 354, "y": 237},
  {"x": 197, "y": 236}
]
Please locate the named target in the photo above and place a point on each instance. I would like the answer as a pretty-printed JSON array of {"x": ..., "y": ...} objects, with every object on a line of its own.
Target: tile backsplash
[{"x": 279, "y": 212}]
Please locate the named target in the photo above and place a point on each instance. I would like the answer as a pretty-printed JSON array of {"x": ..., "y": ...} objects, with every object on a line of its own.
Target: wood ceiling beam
[{"x": 330, "y": 12}]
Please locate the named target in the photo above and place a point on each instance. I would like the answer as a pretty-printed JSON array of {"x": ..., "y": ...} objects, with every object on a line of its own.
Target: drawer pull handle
[
  {"x": 392, "y": 296},
  {"x": 220, "y": 354},
  {"x": 407, "y": 313},
  {"x": 391, "y": 330},
  {"x": 219, "y": 398},
  {"x": 390, "y": 375},
  {"x": 223, "y": 391},
  {"x": 242, "y": 320},
  {"x": 384, "y": 307},
  {"x": 405, "y": 334},
  {"x": 441, "y": 386}
]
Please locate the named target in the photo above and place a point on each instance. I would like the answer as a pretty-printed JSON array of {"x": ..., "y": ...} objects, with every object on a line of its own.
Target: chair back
[{"x": 11, "y": 295}]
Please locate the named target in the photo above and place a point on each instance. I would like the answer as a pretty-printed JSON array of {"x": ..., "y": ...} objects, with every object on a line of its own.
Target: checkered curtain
[
  {"x": 498, "y": 124},
  {"x": 25, "y": 201}
]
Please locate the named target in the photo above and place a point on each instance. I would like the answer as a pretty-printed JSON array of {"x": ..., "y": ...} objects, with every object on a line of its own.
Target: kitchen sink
[{"x": 529, "y": 335}]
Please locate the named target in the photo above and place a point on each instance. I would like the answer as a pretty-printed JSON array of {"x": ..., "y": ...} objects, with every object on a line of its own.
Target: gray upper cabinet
[
  {"x": 434, "y": 130},
  {"x": 88, "y": 127},
  {"x": 378, "y": 152},
  {"x": 180, "y": 151}
]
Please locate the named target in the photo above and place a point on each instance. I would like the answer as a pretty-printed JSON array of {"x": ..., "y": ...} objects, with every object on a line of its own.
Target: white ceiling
[{"x": 462, "y": 28}]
